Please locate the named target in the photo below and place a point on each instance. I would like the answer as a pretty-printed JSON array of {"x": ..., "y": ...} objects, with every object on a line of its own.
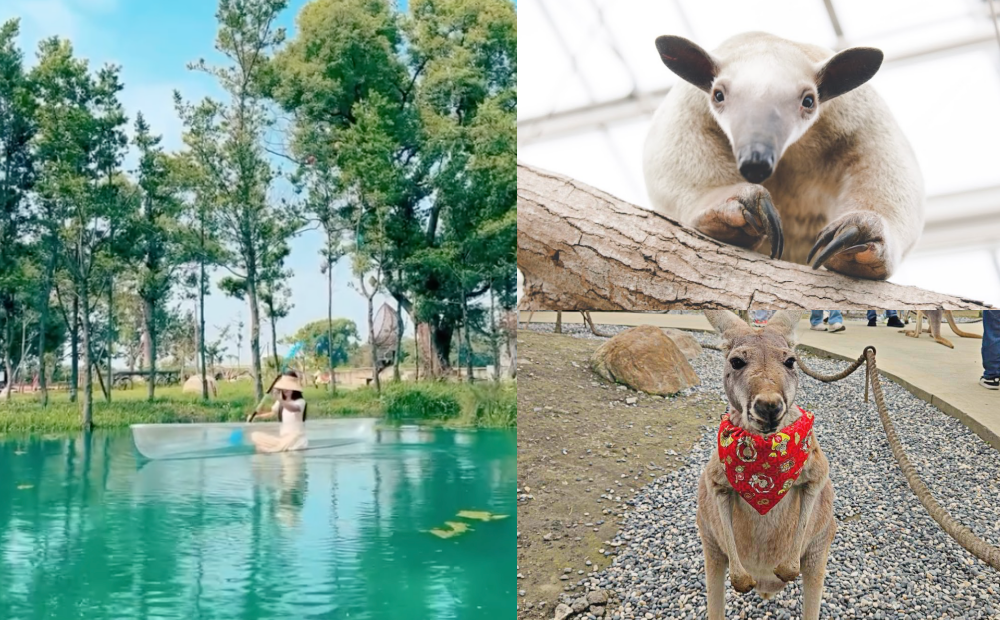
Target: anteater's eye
[
  {"x": 719, "y": 96},
  {"x": 737, "y": 363},
  {"x": 808, "y": 101},
  {"x": 790, "y": 362}
]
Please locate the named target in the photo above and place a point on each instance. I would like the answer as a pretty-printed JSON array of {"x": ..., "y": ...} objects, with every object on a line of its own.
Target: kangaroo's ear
[
  {"x": 688, "y": 61},
  {"x": 847, "y": 70},
  {"x": 783, "y": 322},
  {"x": 728, "y": 324}
]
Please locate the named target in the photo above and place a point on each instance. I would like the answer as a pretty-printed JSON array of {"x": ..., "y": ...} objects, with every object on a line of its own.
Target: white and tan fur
[
  {"x": 840, "y": 174},
  {"x": 764, "y": 552},
  {"x": 934, "y": 327}
]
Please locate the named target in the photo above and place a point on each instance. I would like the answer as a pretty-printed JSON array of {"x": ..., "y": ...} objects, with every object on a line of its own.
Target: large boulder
[
  {"x": 645, "y": 359},
  {"x": 684, "y": 341},
  {"x": 193, "y": 385}
]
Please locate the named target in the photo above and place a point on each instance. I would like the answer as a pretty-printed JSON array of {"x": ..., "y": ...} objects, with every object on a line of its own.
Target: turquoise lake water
[{"x": 86, "y": 532}]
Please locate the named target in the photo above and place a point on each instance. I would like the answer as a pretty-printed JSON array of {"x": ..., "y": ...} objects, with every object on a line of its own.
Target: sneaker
[
  {"x": 894, "y": 322},
  {"x": 992, "y": 383},
  {"x": 818, "y": 328},
  {"x": 873, "y": 322},
  {"x": 837, "y": 327}
]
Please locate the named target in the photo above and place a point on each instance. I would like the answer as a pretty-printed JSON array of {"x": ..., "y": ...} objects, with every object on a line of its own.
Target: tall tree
[
  {"x": 80, "y": 145},
  {"x": 430, "y": 75},
  {"x": 156, "y": 235},
  {"x": 17, "y": 177},
  {"x": 225, "y": 141}
]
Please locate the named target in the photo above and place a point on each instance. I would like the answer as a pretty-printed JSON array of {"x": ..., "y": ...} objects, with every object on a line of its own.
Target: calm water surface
[{"x": 85, "y": 532}]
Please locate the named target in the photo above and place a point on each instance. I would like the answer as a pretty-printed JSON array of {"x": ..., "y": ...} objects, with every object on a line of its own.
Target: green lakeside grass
[{"x": 450, "y": 405}]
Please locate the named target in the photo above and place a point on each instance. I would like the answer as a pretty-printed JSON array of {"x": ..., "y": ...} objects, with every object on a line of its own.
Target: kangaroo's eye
[
  {"x": 719, "y": 96},
  {"x": 790, "y": 362},
  {"x": 737, "y": 363},
  {"x": 808, "y": 101}
]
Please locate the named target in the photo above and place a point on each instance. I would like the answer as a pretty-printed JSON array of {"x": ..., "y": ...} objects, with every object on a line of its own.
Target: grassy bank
[{"x": 450, "y": 405}]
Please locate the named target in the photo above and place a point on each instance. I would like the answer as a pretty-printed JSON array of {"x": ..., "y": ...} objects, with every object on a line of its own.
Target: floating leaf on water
[
  {"x": 19, "y": 452},
  {"x": 455, "y": 528},
  {"x": 22, "y": 487},
  {"x": 480, "y": 515}
]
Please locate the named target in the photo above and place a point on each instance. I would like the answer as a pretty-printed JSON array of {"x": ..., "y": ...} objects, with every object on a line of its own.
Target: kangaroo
[
  {"x": 934, "y": 327},
  {"x": 765, "y": 536},
  {"x": 766, "y": 137}
]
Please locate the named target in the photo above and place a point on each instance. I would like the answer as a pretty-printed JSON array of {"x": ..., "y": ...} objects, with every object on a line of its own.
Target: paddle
[{"x": 284, "y": 366}]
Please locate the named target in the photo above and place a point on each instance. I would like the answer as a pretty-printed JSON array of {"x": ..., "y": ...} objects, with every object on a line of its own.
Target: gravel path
[{"x": 889, "y": 558}]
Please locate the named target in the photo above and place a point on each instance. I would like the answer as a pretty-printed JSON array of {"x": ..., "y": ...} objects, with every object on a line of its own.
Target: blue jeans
[
  {"x": 872, "y": 314},
  {"x": 816, "y": 317},
  {"x": 991, "y": 343}
]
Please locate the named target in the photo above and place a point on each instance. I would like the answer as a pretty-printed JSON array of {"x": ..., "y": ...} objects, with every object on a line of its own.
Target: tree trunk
[
  {"x": 111, "y": 331},
  {"x": 558, "y": 328},
  {"x": 258, "y": 389},
  {"x": 399, "y": 342},
  {"x": 149, "y": 326},
  {"x": 371, "y": 340},
  {"x": 201, "y": 322},
  {"x": 468, "y": 337},
  {"x": 581, "y": 249},
  {"x": 43, "y": 315},
  {"x": 494, "y": 335},
  {"x": 88, "y": 377},
  {"x": 74, "y": 372},
  {"x": 274, "y": 342},
  {"x": 7, "y": 361},
  {"x": 329, "y": 324}
]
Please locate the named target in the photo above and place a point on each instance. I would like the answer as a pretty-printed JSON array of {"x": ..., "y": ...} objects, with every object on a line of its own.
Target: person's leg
[
  {"x": 836, "y": 321},
  {"x": 266, "y": 442},
  {"x": 872, "y": 318},
  {"x": 991, "y": 349},
  {"x": 816, "y": 320},
  {"x": 893, "y": 319}
]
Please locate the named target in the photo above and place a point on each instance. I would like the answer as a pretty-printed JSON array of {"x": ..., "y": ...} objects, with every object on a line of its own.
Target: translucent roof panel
[
  {"x": 893, "y": 23},
  {"x": 949, "y": 109},
  {"x": 714, "y": 22}
]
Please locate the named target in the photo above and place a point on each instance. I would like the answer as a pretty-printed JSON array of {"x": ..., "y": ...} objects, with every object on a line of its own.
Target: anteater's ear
[
  {"x": 688, "y": 61},
  {"x": 847, "y": 70},
  {"x": 728, "y": 324},
  {"x": 783, "y": 322}
]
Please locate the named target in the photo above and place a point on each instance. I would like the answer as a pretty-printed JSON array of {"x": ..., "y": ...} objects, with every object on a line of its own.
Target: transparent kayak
[{"x": 180, "y": 441}]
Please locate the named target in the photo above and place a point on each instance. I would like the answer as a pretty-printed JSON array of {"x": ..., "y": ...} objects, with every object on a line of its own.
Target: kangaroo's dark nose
[
  {"x": 769, "y": 408},
  {"x": 756, "y": 162}
]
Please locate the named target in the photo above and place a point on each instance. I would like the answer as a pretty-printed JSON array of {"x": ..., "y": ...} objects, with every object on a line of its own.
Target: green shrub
[
  {"x": 422, "y": 401},
  {"x": 496, "y": 405}
]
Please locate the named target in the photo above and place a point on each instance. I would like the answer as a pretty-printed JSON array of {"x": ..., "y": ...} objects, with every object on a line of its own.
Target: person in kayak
[{"x": 290, "y": 409}]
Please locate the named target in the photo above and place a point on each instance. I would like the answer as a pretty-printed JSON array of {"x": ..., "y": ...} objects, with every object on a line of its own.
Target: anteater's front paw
[
  {"x": 742, "y": 582},
  {"x": 854, "y": 244},
  {"x": 787, "y": 571},
  {"x": 744, "y": 219}
]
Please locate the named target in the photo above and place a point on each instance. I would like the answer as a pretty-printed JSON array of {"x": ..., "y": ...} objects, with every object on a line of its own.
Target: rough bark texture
[
  {"x": 579, "y": 248},
  {"x": 645, "y": 359}
]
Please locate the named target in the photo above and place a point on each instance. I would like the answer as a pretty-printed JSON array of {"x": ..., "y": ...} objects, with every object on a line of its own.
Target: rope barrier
[{"x": 961, "y": 534}]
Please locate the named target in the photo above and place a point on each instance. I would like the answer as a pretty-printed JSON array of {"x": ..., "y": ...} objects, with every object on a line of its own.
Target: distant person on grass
[
  {"x": 290, "y": 409},
  {"x": 991, "y": 350}
]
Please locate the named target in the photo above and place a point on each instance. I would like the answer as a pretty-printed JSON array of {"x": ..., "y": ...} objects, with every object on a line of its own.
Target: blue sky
[{"x": 153, "y": 41}]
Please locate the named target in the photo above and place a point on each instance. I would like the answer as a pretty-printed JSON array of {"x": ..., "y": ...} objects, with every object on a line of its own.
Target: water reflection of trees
[{"x": 79, "y": 541}]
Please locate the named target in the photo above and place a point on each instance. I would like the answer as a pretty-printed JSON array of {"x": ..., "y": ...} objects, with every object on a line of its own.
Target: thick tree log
[{"x": 582, "y": 249}]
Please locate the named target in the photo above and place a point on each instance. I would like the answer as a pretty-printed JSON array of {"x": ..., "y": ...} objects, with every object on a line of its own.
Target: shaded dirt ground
[{"x": 584, "y": 446}]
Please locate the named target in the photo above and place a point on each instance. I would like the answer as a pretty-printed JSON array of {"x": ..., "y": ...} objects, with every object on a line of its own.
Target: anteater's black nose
[{"x": 756, "y": 163}]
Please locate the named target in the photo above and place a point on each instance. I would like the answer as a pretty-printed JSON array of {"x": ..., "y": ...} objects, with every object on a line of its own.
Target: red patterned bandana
[{"x": 763, "y": 469}]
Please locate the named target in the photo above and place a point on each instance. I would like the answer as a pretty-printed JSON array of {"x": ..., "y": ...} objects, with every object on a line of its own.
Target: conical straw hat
[{"x": 285, "y": 382}]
